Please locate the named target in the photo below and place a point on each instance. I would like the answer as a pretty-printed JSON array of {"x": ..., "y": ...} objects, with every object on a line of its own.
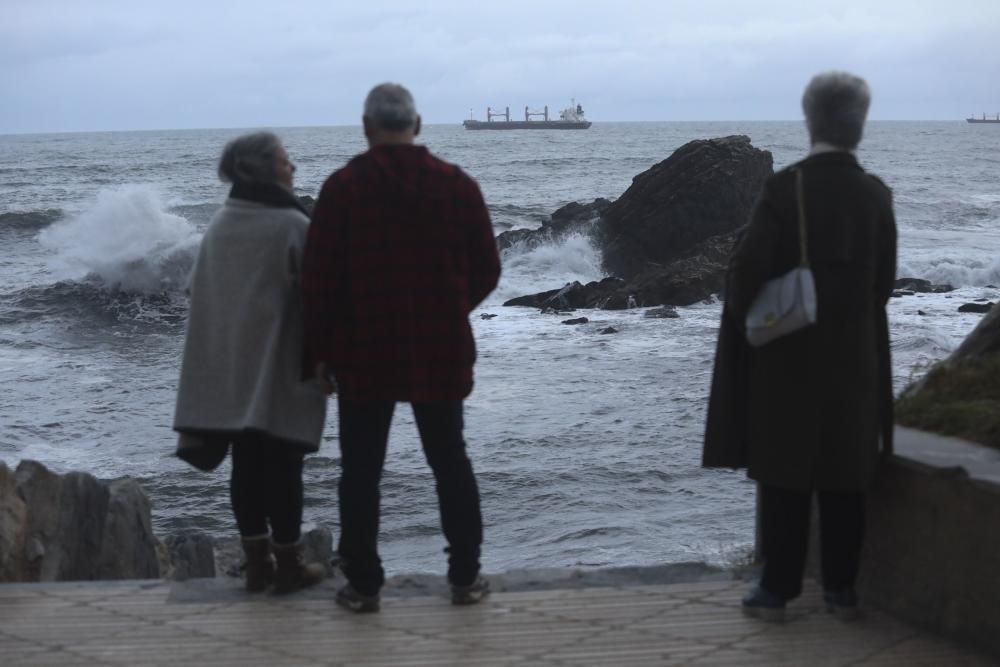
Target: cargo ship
[
  {"x": 570, "y": 118},
  {"x": 984, "y": 119}
]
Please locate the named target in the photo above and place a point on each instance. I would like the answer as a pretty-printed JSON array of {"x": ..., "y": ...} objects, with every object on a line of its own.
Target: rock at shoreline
[
  {"x": 577, "y": 320},
  {"x": 705, "y": 189},
  {"x": 960, "y": 396},
  {"x": 573, "y": 218},
  {"x": 73, "y": 527},
  {"x": 975, "y": 307},
  {"x": 668, "y": 312},
  {"x": 910, "y": 285},
  {"x": 191, "y": 555},
  {"x": 667, "y": 239}
]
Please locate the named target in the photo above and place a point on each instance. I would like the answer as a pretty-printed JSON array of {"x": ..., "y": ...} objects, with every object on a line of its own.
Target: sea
[{"x": 586, "y": 445}]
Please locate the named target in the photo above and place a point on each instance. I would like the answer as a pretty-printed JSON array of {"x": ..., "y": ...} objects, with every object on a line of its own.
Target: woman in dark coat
[{"x": 809, "y": 412}]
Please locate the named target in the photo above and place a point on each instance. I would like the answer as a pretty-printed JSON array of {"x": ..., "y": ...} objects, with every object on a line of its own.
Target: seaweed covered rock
[{"x": 960, "y": 396}]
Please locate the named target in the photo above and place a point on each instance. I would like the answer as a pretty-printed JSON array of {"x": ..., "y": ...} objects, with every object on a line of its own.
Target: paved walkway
[{"x": 199, "y": 623}]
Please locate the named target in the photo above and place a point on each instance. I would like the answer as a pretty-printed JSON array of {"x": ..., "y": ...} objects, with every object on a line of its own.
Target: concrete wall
[{"x": 932, "y": 551}]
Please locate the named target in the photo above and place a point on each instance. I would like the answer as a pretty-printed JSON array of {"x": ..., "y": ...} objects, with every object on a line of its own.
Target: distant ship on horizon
[
  {"x": 984, "y": 119},
  {"x": 570, "y": 118}
]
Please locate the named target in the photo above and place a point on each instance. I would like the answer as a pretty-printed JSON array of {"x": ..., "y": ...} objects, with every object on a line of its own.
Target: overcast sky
[{"x": 69, "y": 65}]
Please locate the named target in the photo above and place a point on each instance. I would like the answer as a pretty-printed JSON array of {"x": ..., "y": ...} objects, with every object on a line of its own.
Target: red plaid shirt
[{"x": 399, "y": 252}]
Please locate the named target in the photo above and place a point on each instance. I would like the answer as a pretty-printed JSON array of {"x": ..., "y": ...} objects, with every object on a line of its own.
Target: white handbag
[{"x": 787, "y": 303}]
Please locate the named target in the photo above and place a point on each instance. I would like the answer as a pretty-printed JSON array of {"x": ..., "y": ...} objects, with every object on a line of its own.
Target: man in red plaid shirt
[{"x": 399, "y": 252}]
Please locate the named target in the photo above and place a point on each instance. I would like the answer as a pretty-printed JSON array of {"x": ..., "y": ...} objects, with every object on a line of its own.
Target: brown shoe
[
  {"x": 259, "y": 567},
  {"x": 292, "y": 573}
]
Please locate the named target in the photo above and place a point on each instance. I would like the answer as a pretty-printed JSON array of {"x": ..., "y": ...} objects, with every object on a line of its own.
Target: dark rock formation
[
  {"x": 668, "y": 237},
  {"x": 72, "y": 527},
  {"x": 576, "y": 320},
  {"x": 609, "y": 330},
  {"x": 975, "y": 307},
  {"x": 706, "y": 188},
  {"x": 569, "y": 219},
  {"x": 983, "y": 341},
  {"x": 308, "y": 203},
  {"x": 668, "y": 312},
  {"x": 920, "y": 285},
  {"x": 192, "y": 556}
]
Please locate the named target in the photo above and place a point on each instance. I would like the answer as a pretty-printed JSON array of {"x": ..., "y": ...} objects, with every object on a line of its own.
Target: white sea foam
[
  {"x": 548, "y": 266},
  {"x": 126, "y": 240}
]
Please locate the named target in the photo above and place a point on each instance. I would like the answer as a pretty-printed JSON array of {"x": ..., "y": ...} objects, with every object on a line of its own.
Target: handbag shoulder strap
[{"x": 800, "y": 195}]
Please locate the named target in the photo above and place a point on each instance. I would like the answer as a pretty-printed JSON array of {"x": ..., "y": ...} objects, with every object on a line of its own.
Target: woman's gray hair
[
  {"x": 250, "y": 158},
  {"x": 390, "y": 106},
  {"x": 835, "y": 105}
]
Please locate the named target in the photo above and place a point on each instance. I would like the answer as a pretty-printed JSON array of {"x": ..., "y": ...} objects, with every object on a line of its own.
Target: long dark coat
[{"x": 809, "y": 410}]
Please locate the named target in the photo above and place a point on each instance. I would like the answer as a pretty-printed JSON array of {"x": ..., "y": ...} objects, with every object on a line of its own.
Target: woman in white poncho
[{"x": 241, "y": 388}]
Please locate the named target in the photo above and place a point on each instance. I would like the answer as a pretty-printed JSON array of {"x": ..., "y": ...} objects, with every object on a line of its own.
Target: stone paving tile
[{"x": 689, "y": 624}]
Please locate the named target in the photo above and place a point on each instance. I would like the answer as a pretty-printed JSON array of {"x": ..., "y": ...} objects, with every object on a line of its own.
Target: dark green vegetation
[{"x": 957, "y": 397}]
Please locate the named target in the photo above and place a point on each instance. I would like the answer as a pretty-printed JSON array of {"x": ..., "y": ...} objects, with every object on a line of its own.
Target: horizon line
[{"x": 22, "y": 133}]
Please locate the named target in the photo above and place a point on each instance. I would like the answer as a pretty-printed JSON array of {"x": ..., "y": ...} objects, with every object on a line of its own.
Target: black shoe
[
  {"x": 758, "y": 603},
  {"x": 842, "y": 604},
  {"x": 348, "y": 597},
  {"x": 471, "y": 594}
]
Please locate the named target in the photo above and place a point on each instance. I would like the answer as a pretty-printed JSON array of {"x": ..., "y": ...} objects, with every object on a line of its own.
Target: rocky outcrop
[
  {"x": 706, "y": 188},
  {"x": 71, "y": 527},
  {"x": 190, "y": 556},
  {"x": 13, "y": 521},
  {"x": 668, "y": 237},
  {"x": 921, "y": 285},
  {"x": 983, "y": 342},
  {"x": 573, "y": 218}
]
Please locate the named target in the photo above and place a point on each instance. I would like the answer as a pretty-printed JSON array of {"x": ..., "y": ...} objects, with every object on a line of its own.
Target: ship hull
[
  {"x": 981, "y": 120},
  {"x": 527, "y": 125}
]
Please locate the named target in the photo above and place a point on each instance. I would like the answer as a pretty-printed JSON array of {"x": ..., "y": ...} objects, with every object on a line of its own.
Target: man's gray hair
[
  {"x": 390, "y": 106},
  {"x": 835, "y": 105},
  {"x": 250, "y": 158}
]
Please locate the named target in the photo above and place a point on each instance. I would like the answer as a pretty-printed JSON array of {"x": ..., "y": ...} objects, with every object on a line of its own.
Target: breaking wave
[{"x": 126, "y": 242}]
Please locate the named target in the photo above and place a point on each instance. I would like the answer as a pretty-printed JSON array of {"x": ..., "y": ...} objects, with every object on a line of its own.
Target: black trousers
[
  {"x": 364, "y": 435},
  {"x": 266, "y": 488},
  {"x": 784, "y": 530}
]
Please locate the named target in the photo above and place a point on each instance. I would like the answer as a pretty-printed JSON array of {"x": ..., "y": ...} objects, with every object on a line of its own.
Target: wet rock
[
  {"x": 609, "y": 330},
  {"x": 661, "y": 312},
  {"x": 574, "y": 295},
  {"x": 707, "y": 187},
  {"x": 317, "y": 544},
  {"x": 487, "y": 316},
  {"x": 902, "y": 292},
  {"x": 128, "y": 547},
  {"x": 983, "y": 341},
  {"x": 191, "y": 555},
  {"x": 308, "y": 203},
  {"x": 921, "y": 285},
  {"x": 573, "y": 218},
  {"x": 669, "y": 236},
  {"x": 76, "y": 527},
  {"x": 13, "y": 519},
  {"x": 920, "y": 312},
  {"x": 577, "y": 320},
  {"x": 975, "y": 307}
]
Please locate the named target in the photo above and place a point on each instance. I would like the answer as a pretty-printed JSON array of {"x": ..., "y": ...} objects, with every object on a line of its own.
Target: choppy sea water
[{"x": 586, "y": 445}]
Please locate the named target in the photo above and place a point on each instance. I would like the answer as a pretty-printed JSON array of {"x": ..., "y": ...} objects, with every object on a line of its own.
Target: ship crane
[
  {"x": 491, "y": 114},
  {"x": 544, "y": 113}
]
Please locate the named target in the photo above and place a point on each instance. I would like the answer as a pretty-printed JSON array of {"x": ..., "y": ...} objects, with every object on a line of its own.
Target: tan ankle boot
[
  {"x": 292, "y": 572},
  {"x": 260, "y": 564}
]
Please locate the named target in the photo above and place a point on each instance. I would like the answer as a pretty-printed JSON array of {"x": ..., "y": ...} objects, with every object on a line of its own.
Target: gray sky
[{"x": 69, "y": 65}]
